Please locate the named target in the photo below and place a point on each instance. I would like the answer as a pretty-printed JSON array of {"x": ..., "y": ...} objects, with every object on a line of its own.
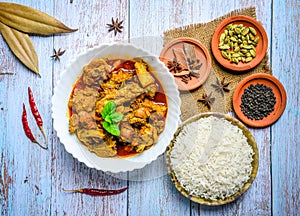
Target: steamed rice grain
[{"x": 211, "y": 158}]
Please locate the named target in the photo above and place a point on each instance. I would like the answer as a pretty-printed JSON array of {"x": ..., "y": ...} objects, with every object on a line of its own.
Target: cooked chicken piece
[
  {"x": 123, "y": 94},
  {"x": 94, "y": 140},
  {"x": 142, "y": 112},
  {"x": 137, "y": 121},
  {"x": 103, "y": 150},
  {"x": 157, "y": 120},
  {"x": 90, "y": 137},
  {"x": 73, "y": 123},
  {"x": 148, "y": 133},
  {"x": 87, "y": 120},
  {"x": 151, "y": 90},
  {"x": 83, "y": 100},
  {"x": 123, "y": 109},
  {"x": 117, "y": 79},
  {"x": 144, "y": 77},
  {"x": 97, "y": 70},
  {"x": 155, "y": 107},
  {"x": 95, "y": 63},
  {"x": 139, "y": 116},
  {"x": 128, "y": 93},
  {"x": 127, "y": 132}
]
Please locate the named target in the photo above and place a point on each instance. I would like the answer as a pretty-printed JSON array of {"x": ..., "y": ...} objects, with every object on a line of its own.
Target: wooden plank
[
  {"x": 151, "y": 191},
  {"x": 90, "y": 17},
  {"x": 25, "y": 167},
  {"x": 259, "y": 194},
  {"x": 285, "y": 133}
]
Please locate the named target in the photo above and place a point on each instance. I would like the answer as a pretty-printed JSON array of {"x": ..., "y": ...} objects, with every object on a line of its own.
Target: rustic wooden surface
[{"x": 31, "y": 179}]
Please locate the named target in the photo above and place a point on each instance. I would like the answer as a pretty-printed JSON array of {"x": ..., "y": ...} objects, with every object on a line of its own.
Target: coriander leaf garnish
[
  {"x": 116, "y": 117},
  {"x": 111, "y": 117},
  {"x": 111, "y": 128},
  {"x": 108, "y": 109}
]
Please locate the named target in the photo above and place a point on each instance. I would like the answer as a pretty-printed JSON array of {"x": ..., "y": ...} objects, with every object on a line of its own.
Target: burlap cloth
[{"x": 203, "y": 32}]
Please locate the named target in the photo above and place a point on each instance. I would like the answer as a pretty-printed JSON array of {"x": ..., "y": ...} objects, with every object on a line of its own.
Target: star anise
[
  {"x": 115, "y": 26},
  {"x": 174, "y": 66},
  {"x": 221, "y": 86},
  {"x": 57, "y": 54},
  {"x": 188, "y": 76},
  {"x": 207, "y": 100}
]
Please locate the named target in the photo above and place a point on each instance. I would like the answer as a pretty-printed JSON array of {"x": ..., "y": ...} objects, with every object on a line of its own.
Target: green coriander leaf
[
  {"x": 108, "y": 109},
  {"x": 114, "y": 130},
  {"x": 108, "y": 119},
  {"x": 111, "y": 128},
  {"x": 106, "y": 126},
  {"x": 116, "y": 117}
]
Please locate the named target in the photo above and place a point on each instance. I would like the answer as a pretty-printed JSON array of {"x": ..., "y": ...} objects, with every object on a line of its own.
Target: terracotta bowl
[
  {"x": 261, "y": 47},
  {"x": 255, "y": 162},
  {"x": 278, "y": 91},
  {"x": 201, "y": 54}
]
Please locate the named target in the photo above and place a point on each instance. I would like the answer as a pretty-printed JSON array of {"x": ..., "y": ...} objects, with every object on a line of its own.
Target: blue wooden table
[{"x": 31, "y": 179}]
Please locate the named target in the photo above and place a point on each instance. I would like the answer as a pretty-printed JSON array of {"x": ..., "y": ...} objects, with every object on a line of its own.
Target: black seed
[{"x": 258, "y": 101}]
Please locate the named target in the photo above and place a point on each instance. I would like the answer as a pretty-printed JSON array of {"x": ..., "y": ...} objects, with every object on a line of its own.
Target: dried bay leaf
[
  {"x": 21, "y": 45},
  {"x": 30, "y": 20}
]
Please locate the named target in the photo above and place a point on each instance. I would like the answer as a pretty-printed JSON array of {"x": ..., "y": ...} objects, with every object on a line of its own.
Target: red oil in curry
[{"x": 122, "y": 152}]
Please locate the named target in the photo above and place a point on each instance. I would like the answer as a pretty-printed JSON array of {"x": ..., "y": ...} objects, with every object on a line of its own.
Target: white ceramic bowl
[{"x": 60, "y": 107}]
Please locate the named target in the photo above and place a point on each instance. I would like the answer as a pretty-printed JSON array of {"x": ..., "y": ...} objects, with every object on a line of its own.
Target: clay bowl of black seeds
[{"x": 259, "y": 100}]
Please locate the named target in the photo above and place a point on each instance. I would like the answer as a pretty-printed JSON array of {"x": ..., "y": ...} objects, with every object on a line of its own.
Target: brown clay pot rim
[
  {"x": 279, "y": 93},
  {"x": 240, "y": 67},
  {"x": 205, "y": 74}
]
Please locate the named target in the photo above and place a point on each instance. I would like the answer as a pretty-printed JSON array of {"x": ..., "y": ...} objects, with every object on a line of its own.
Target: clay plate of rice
[{"x": 212, "y": 159}]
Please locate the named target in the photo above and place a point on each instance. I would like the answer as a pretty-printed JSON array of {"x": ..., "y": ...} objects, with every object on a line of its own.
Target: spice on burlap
[{"x": 204, "y": 32}]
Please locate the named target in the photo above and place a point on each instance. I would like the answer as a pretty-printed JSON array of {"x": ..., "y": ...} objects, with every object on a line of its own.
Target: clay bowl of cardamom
[
  {"x": 259, "y": 100},
  {"x": 239, "y": 43},
  {"x": 189, "y": 62}
]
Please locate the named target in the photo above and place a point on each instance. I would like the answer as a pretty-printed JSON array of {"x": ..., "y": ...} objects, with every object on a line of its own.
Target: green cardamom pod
[
  {"x": 236, "y": 49},
  {"x": 251, "y": 36},
  {"x": 256, "y": 40},
  {"x": 245, "y": 31},
  {"x": 252, "y": 30},
  {"x": 253, "y": 53},
  {"x": 224, "y": 47},
  {"x": 248, "y": 47},
  {"x": 237, "y": 30},
  {"x": 222, "y": 37},
  {"x": 248, "y": 59},
  {"x": 234, "y": 55},
  {"x": 224, "y": 54},
  {"x": 226, "y": 32},
  {"x": 229, "y": 26}
]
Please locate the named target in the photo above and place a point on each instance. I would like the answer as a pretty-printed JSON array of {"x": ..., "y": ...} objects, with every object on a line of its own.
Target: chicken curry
[{"x": 138, "y": 96}]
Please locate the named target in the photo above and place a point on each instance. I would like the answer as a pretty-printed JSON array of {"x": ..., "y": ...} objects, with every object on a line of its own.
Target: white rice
[{"x": 211, "y": 158}]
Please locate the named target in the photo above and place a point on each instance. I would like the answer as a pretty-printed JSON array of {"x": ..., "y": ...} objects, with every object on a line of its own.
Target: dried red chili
[
  {"x": 36, "y": 113},
  {"x": 97, "y": 192},
  {"x": 27, "y": 129}
]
